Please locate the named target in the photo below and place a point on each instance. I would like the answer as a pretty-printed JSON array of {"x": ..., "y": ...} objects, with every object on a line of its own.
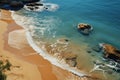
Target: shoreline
[
  {"x": 31, "y": 57},
  {"x": 49, "y": 57},
  {"x": 44, "y": 66},
  {"x": 19, "y": 69},
  {"x": 12, "y": 26}
]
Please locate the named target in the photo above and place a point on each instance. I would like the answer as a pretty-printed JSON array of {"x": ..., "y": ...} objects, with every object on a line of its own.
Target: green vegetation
[{"x": 3, "y": 67}]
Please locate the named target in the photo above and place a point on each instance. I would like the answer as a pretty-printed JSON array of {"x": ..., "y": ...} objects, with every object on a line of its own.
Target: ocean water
[{"x": 49, "y": 28}]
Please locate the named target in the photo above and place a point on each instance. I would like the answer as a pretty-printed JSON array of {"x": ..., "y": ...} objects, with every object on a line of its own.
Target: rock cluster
[
  {"x": 14, "y": 4},
  {"x": 34, "y": 6}
]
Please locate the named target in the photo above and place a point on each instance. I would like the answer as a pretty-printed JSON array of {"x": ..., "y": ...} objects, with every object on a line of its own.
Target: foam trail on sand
[{"x": 44, "y": 54}]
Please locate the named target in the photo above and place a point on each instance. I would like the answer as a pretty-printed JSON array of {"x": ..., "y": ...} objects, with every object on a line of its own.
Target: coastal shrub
[
  {"x": 2, "y": 76},
  {"x": 7, "y": 65},
  {"x": 3, "y": 67},
  {"x": 1, "y": 62}
]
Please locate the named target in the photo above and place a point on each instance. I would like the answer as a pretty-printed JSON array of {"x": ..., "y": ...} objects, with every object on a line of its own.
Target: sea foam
[
  {"x": 55, "y": 61},
  {"x": 46, "y": 6}
]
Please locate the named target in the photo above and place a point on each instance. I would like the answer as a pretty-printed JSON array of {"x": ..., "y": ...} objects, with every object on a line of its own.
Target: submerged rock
[
  {"x": 71, "y": 62},
  {"x": 62, "y": 41},
  {"x": 70, "y": 59},
  {"x": 85, "y": 28},
  {"x": 96, "y": 48},
  {"x": 111, "y": 52},
  {"x": 89, "y": 51}
]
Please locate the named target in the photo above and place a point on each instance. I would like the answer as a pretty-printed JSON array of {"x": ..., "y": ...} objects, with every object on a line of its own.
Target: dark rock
[
  {"x": 89, "y": 51},
  {"x": 63, "y": 41},
  {"x": 46, "y": 8},
  {"x": 34, "y": 4},
  {"x": 30, "y": 1},
  {"x": 36, "y": 7},
  {"x": 31, "y": 8},
  {"x": 111, "y": 52},
  {"x": 4, "y": 1},
  {"x": 15, "y": 4},
  {"x": 84, "y": 28}
]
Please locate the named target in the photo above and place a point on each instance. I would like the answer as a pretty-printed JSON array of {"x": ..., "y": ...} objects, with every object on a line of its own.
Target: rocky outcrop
[
  {"x": 14, "y": 4},
  {"x": 84, "y": 28},
  {"x": 96, "y": 48},
  {"x": 111, "y": 52}
]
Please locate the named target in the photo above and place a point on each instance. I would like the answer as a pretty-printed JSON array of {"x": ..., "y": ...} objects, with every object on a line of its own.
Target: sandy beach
[{"x": 16, "y": 49}]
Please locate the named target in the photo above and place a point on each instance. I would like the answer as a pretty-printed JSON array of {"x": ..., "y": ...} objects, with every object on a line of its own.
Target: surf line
[
  {"x": 45, "y": 55},
  {"x": 52, "y": 59}
]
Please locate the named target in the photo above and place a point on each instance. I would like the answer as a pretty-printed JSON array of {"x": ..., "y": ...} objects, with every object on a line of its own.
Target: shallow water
[{"x": 49, "y": 26}]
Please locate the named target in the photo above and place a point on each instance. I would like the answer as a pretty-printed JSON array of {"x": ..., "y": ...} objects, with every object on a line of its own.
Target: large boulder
[
  {"x": 85, "y": 28},
  {"x": 111, "y": 52},
  {"x": 14, "y": 4}
]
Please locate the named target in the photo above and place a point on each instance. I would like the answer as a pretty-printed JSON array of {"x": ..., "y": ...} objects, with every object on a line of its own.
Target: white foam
[
  {"x": 46, "y": 6},
  {"x": 51, "y": 6},
  {"x": 21, "y": 20},
  {"x": 44, "y": 54}
]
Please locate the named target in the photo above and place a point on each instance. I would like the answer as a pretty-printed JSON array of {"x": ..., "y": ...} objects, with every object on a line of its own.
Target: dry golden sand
[{"x": 27, "y": 64}]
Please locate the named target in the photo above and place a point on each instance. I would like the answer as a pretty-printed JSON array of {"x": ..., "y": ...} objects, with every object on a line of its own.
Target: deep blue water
[{"x": 103, "y": 15}]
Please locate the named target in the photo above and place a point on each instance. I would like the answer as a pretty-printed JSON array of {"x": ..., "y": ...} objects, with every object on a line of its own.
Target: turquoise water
[{"x": 103, "y": 15}]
